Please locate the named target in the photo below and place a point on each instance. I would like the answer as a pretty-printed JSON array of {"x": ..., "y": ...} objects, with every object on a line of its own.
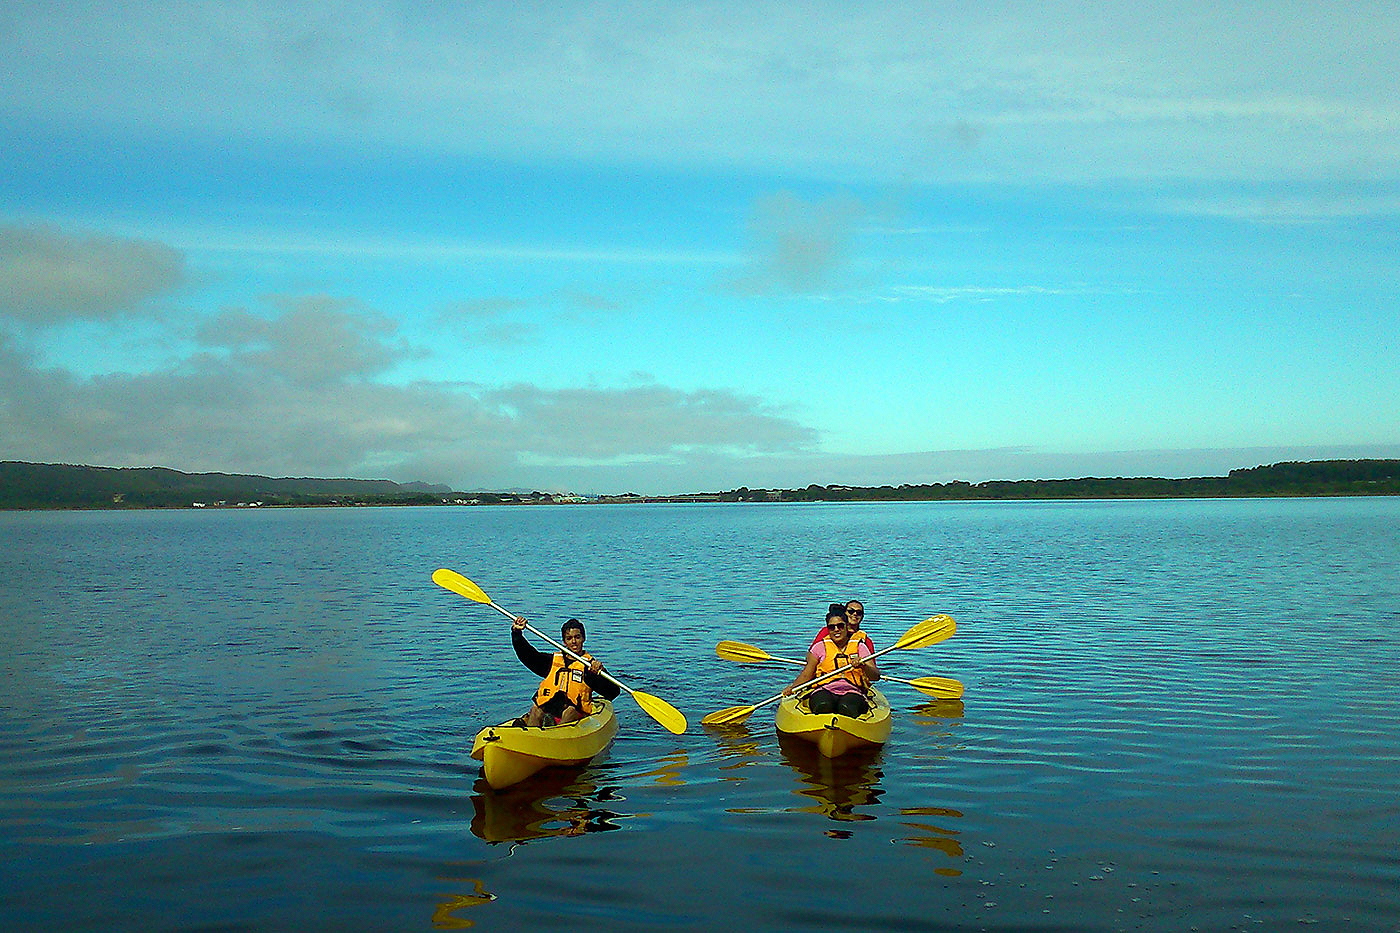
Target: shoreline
[{"x": 44, "y": 487}]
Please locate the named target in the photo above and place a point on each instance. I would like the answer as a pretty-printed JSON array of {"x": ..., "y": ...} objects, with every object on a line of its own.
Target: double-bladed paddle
[
  {"x": 944, "y": 688},
  {"x": 655, "y": 707},
  {"x": 928, "y": 632}
]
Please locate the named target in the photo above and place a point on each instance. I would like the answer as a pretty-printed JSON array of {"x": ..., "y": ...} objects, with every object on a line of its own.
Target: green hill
[{"x": 66, "y": 486}]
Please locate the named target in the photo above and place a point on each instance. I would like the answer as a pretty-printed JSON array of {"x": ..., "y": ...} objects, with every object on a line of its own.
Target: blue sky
[{"x": 608, "y": 247}]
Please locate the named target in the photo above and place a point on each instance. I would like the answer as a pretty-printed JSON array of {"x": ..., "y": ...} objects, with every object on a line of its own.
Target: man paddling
[{"x": 565, "y": 693}]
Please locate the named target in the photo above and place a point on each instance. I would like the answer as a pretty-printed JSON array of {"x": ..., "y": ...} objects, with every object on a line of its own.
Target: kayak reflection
[
  {"x": 838, "y": 786},
  {"x": 547, "y": 806}
]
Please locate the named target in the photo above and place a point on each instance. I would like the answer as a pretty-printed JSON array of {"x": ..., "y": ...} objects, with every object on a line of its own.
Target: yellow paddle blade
[
  {"x": 744, "y": 654},
  {"x": 928, "y": 632},
  {"x": 944, "y": 688},
  {"x": 728, "y": 717},
  {"x": 666, "y": 714},
  {"x": 454, "y": 581}
]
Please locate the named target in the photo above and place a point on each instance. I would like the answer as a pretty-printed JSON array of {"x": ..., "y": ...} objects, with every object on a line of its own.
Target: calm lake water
[{"x": 1179, "y": 714}]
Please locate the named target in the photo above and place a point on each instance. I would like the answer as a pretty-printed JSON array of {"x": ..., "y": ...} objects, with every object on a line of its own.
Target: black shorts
[
  {"x": 847, "y": 704},
  {"x": 556, "y": 705}
]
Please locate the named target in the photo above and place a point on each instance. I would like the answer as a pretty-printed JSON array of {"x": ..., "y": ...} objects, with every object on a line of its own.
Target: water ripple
[{"x": 263, "y": 722}]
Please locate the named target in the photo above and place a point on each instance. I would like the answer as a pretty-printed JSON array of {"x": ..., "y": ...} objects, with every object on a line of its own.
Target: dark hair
[
  {"x": 572, "y": 623},
  {"x": 836, "y": 610}
]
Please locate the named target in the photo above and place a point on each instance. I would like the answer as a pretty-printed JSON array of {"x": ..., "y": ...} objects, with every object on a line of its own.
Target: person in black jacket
[{"x": 565, "y": 693}]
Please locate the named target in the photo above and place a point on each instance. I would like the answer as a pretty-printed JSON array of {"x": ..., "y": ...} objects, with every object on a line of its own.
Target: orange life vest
[
  {"x": 566, "y": 676},
  {"x": 837, "y": 658}
]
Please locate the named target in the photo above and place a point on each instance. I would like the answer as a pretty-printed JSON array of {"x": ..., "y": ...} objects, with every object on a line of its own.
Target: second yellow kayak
[
  {"x": 832, "y": 733},
  {"x": 511, "y": 753}
]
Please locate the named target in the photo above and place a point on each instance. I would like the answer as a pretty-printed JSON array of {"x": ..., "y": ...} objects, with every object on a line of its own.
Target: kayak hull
[
  {"x": 509, "y": 753},
  {"x": 832, "y": 733}
]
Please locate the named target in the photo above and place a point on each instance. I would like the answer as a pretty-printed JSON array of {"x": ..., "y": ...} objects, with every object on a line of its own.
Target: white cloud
[
  {"x": 292, "y": 394},
  {"x": 49, "y": 277},
  {"x": 943, "y": 294},
  {"x": 316, "y": 340},
  {"x": 646, "y": 420},
  {"x": 1287, "y": 207},
  {"x": 911, "y": 90},
  {"x": 799, "y": 245}
]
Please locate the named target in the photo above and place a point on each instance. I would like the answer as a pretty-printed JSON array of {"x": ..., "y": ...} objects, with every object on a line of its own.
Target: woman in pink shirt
[
  {"x": 845, "y": 693},
  {"x": 855, "y": 614}
]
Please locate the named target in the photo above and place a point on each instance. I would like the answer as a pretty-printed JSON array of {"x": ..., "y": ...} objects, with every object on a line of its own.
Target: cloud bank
[
  {"x": 51, "y": 277},
  {"x": 301, "y": 385}
]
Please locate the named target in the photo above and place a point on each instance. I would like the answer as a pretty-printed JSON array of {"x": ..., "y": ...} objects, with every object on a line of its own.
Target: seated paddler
[
  {"x": 846, "y": 693},
  {"x": 855, "y": 614},
  {"x": 565, "y": 693}
]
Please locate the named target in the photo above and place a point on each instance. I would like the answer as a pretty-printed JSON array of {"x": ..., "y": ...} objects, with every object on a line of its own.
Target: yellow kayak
[
  {"x": 512, "y": 753},
  {"x": 832, "y": 733}
]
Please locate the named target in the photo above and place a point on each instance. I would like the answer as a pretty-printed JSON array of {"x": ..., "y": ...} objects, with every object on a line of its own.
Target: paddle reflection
[
  {"x": 738, "y": 749},
  {"x": 934, "y": 835},
  {"x": 548, "y": 805},
  {"x": 838, "y": 786},
  {"x": 667, "y": 774},
  {"x": 445, "y": 916},
  {"x": 939, "y": 713},
  {"x": 931, "y": 830}
]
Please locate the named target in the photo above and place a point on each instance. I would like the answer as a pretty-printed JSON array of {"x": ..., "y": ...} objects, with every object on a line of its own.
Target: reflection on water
[
  {"x": 247, "y": 724},
  {"x": 928, "y": 835},
  {"x": 445, "y": 917},
  {"x": 668, "y": 774},
  {"x": 738, "y": 749},
  {"x": 938, "y": 712},
  {"x": 547, "y": 805},
  {"x": 935, "y": 720},
  {"x": 836, "y": 785}
]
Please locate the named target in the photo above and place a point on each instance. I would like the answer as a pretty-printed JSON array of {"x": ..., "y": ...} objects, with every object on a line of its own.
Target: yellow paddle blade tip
[
  {"x": 940, "y": 622},
  {"x": 725, "y": 717},
  {"x": 672, "y": 719},
  {"x": 744, "y": 654},
  {"x": 928, "y": 632},
  {"x": 454, "y": 581}
]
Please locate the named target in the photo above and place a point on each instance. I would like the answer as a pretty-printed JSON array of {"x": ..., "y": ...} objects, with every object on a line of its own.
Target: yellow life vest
[
  {"x": 837, "y": 658},
  {"x": 566, "y": 676}
]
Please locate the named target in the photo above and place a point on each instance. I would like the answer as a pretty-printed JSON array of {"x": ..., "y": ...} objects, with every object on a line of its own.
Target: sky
[{"x": 664, "y": 248}]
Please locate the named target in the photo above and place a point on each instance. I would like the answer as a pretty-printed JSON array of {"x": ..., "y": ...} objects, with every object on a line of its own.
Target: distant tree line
[
  {"x": 67, "y": 486},
  {"x": 1311, "y": 478}
]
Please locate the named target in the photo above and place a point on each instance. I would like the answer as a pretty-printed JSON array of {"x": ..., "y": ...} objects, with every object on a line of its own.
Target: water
[{"x": 1178, "y": 714}]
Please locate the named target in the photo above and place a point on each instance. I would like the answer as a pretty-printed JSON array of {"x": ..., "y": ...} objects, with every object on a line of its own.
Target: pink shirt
[{"x": 840, "y": 685}]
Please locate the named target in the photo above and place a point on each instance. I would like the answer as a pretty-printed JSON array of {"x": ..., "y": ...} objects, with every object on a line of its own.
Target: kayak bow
[
  {"x": 512, "y": 753},
  {"x": 832, "y": 733}
]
